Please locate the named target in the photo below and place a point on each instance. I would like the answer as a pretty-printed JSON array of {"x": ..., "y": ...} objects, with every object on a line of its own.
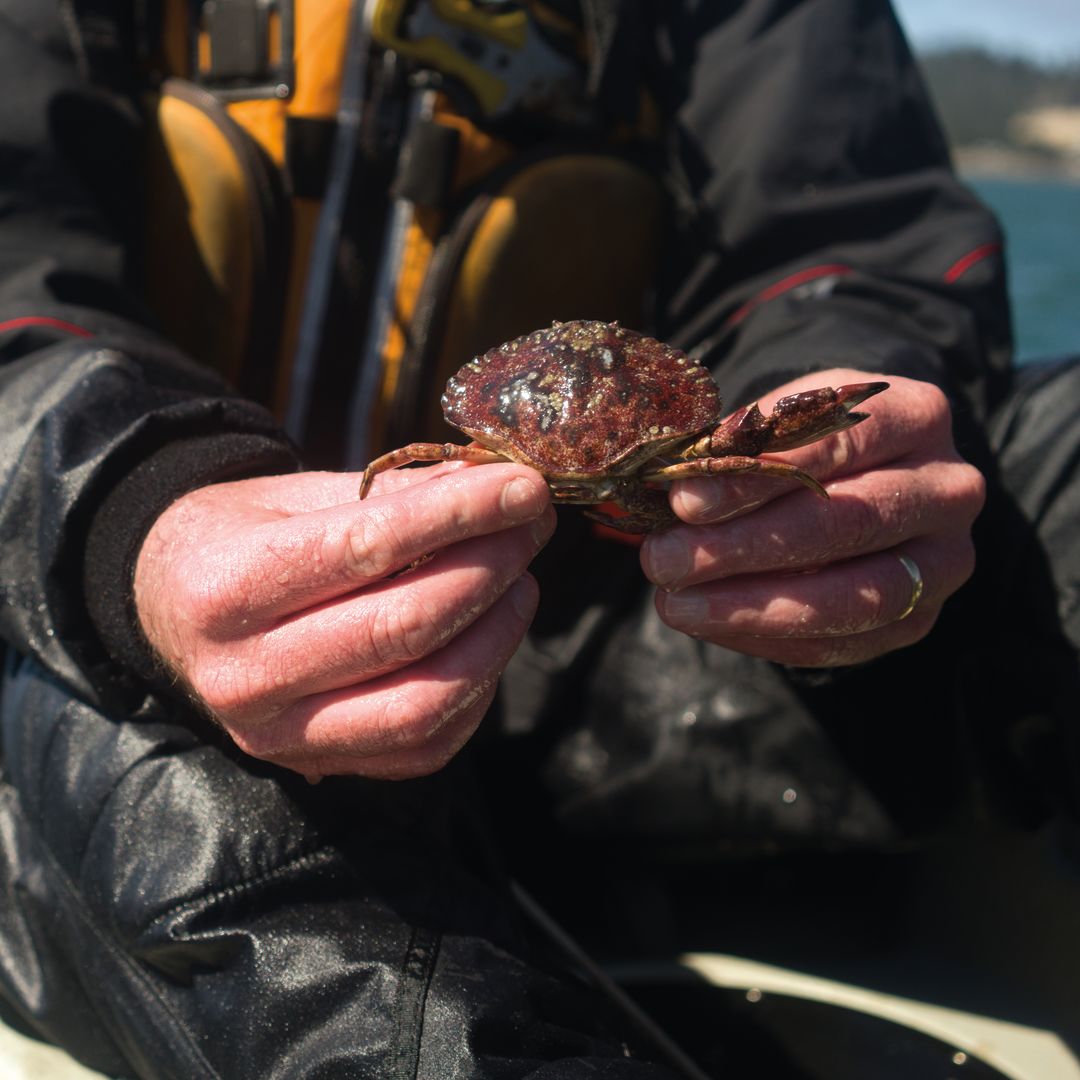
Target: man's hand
[
  {"x": 279, "y": 602},
  {"x": 805, "y": 581}
]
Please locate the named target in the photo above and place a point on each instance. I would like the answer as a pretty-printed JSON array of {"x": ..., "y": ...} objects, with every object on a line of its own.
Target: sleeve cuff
[{"x": 127, "y": 513}]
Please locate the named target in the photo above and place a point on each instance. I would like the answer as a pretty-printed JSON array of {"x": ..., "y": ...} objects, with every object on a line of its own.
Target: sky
[{"x": 1044, "y": 30}]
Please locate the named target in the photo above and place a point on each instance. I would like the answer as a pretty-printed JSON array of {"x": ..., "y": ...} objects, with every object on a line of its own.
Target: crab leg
[
  {"x": 734, "y": 463},
  {"x": 647, "y": 509},
  {"x": 420, "y": 451},
  {"x": 796, "y": 420}
]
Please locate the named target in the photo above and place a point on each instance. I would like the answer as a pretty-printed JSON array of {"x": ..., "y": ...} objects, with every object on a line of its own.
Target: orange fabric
[
  {"x": 174, "y": 38},
  {"x": 479, "y": 152},
  {"x": 264, "y": 120},
  {"x": 567, "y": 237},
  {"x": 199, "y": 233},
  {"x": 321, "y": 31}
]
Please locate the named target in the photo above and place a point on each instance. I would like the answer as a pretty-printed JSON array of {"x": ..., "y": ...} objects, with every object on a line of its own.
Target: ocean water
[{"x": 1041, "y": 219}]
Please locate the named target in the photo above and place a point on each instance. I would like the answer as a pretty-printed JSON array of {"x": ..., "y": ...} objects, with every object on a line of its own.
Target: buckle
[{"x": 244, "y": 48}]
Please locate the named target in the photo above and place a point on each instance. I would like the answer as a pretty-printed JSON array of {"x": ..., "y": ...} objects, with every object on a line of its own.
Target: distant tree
[{"x": 977, "y": 93}]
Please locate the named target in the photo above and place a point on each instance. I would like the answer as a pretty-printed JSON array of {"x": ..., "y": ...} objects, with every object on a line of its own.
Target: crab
[{"x": 604, "y": 412}]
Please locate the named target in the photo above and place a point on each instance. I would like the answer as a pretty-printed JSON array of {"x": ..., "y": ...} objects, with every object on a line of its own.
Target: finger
[
  {"x": 410, "y": 719},
  {"x": 868, "y": 512},
  {"x": 831, "y": 652},
  {"x": 410, "y": 763},
  {"x": 282, "y": 566},
  {"x": 910, "y": 417},
  {"x": 812, "y": 617},
  {"x": 304, "y": 493},
  {"x": 368, "y": 634}
]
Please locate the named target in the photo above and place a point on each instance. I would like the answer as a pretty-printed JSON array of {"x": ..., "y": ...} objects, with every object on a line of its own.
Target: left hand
[
  {"x": 765, "y": 567},
  {"x": 280, "y": 604}
]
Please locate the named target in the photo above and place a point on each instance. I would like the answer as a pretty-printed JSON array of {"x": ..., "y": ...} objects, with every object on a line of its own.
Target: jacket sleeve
[
  {"x": 102, "y": 423},
  {"x": 820, "y": 223},
  {"x": 817, "y": 224}
]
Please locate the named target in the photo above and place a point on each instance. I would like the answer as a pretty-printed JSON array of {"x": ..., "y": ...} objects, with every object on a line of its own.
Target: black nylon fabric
[{"x": 174, "y": 909}]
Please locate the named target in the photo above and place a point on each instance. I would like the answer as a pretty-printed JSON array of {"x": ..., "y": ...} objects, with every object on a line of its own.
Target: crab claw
[{"x": 796, "y": 420}]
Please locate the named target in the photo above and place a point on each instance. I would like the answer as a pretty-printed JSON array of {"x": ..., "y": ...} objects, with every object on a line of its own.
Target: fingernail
[
  {"x": 693, "y": 506},
  {"x": 685, "y": 607},
  {"x": 668, "y": 558},
  {"x": 523, "y": 595},
  {"x": 520, "y": 500},
  {"x": 713, "y": 510}
]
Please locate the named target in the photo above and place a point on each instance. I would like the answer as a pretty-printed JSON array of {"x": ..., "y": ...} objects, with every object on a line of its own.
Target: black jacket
[{"x": 816, "y": 223}]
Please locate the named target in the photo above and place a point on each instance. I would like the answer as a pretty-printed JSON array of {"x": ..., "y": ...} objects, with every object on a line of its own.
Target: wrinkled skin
[
  {"x": 760, "y": 568},
  {"x": 602, "y": 411},
  {"x": 278, "y": 601}
]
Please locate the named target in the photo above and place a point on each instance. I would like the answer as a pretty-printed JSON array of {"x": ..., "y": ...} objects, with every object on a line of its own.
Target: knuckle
[
  {"x": 852, "y": 527},
  {"x": 206, "y": 600},
  {"x": 959, "y": 489},
  {"x": 370, "y": 546},
  {"x": 934, "y": 401},
  {"x": 374, "y": 544},
  {"x": 401, "y": 724},
  {"x": 928, "y": 409},
  {"x": 229, "y": 687},
  {"x": 397, "y": 633},
  {"x": 421, "y": 630}
]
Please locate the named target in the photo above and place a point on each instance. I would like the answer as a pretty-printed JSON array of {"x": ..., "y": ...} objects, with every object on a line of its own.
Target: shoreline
[{"x": 998, "y": 161}]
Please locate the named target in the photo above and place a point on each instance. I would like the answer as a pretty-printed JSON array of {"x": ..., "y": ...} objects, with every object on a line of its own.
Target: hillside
[{"x": 1004, "y": 114}]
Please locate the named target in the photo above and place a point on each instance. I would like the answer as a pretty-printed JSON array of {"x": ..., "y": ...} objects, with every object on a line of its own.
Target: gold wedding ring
[{"x": 912, "y": 567}]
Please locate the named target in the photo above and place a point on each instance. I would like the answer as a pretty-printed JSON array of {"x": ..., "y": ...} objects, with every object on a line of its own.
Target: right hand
[{"x": 274, "y": 600}]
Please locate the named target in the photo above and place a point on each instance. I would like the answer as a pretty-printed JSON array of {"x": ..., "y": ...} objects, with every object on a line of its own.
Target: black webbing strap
[{"x": 614, "y": 30}]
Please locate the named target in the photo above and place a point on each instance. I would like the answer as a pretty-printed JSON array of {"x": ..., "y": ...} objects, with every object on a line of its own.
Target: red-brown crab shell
[{"x": 582, "y": 399}]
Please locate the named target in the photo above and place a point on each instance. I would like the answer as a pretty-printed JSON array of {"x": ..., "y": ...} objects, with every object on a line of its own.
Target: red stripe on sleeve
[
  {"x": 792, "y": 281},
  {"x": 966, "y": 262},
  {"x": 45, "y": 320}
]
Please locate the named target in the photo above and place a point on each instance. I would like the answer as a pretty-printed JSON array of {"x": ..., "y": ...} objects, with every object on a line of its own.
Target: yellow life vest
[{"x": 495, "y": 234}]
